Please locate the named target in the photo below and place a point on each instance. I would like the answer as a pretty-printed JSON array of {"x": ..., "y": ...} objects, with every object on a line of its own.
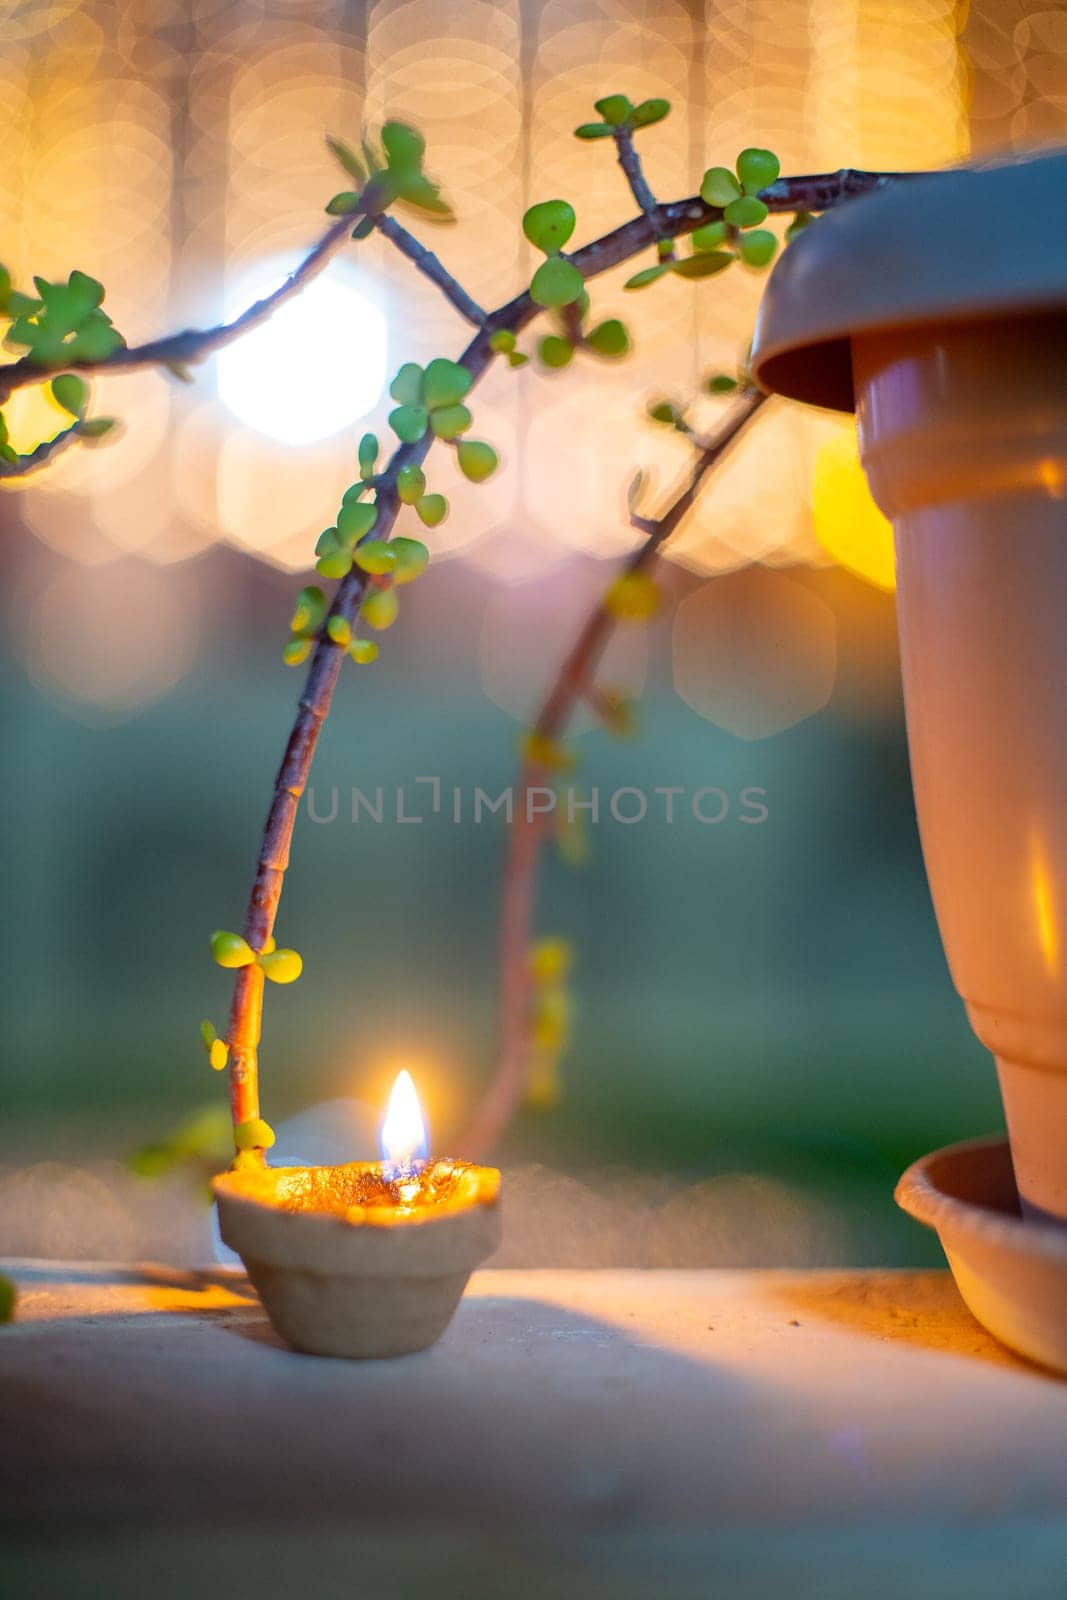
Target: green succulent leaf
[
  {"x": 281, "y": 966},
  {"x": 253, "y": 1135},
  {"x": 516, "y": 358},
  {"x": 355, "y": 521},
  {"x": 757, "y": 248},
  {"x": 417, "y": 190},
  {"x": 650, "y": 111},
  {"x": 412, "y": 557},
  {"x": 705, "y": 265},
  {"x": 64, "y": 324},
  {"x": 554, "y": 351},
  {"x": 665, "y": 411},
  {"x": 432, "y": 510},
  {"x": 721, "y": 383},
  {"x": 348, "y": 159},
  {"x": 376, "y": 557},
  {"x": 297, "y": 651},
  {"x": 310, "y": 610},
  {"x": 70, "y": 392},
  {"x": 444, "y": 383},
  {"x": 448, "y": 422},
  {"x": 363, "y": 651},
  {"x": 404, "y": 146},
  {"x": 710, "y": 236},
  {"x": 21, "y": 305},
  {"x": 609, "y": 338},
  {"x": 340, "y": 631},
  {"x": 647, "y": 275},
  {"x": 409, "y": 423},
  {"x": 556, "y": 283},
  {"x": 230, "y": 950},
  {"x": 614, "y": 108},
  {"x": 633, "y": 597},
  {"x": 343, "y": 204},
  {"x": 208, "y": 1033},
  {"x": 363, "y": 228},
  {"x": 719, "y": 187},
  {"x": 406, "y": 387},
  {"x": 594, "y": 130},
  {"x": 68, "y": 304},
  {"x": 410, "y": 484},
  {"x": 337, "y": 564},
  {"x": 477, "y": 461},
  {"x": 334, "y": 555},
  {"x": 368, "y": 455},
  {"x": 380, "y": 608},
  {"x": 549, "y": 225},
  {"x": 745, "y": 212},
  {"x": 94, "y": 428},
  {"x": 502, "y": 342},
  {"x": 801, "y": 220},
  {"x": 373, "y": 164},
  {"x": 757, "y": 169},
  {"x": 96, "y": 339}
]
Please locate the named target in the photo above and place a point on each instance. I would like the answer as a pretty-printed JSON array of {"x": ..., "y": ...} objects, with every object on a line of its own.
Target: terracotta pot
[
  {"x": 939, "y": 308},
  {"x": 341, "y": 1278}
]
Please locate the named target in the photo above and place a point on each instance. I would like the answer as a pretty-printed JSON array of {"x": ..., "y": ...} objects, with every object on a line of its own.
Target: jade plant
[{"x": 61, "y": 336}]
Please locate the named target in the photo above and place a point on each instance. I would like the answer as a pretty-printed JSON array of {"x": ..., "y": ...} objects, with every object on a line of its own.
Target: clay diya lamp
[{"x": 367, "y": 1259}]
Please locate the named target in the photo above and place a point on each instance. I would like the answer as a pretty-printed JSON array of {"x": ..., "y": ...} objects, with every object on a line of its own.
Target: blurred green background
[{"x": 764, "y": 1000}]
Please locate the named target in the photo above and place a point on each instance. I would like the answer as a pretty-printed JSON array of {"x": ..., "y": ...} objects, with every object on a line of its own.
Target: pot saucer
[{"x": 1011, "y": 1273}]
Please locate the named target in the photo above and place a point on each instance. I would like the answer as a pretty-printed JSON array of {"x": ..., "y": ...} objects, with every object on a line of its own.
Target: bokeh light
[
  {"x": 317, "y": 366},
  {"x": 848, "y": 523},
  {"x": 219, "y": 112},
  {"x": 754, "y": 652}
]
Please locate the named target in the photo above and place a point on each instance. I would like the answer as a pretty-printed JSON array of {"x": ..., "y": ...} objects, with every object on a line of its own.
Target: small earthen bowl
[
  {"x": 342, "y": 1274},
  {"x": 1011, "y": 1272}
]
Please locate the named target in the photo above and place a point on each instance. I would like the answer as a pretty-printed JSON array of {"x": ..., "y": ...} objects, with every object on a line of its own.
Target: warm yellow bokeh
[{"x": 848, "y": 524}]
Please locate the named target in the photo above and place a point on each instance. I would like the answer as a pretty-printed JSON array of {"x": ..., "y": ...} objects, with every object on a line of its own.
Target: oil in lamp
[{"x": 370, "y": 1258}]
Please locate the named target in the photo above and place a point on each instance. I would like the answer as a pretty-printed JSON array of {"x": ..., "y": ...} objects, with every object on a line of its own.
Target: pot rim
[
  {"x": 256, "y": 1192},
  {"x": 911, "y": 254},
  {"x": 925, "y": 1192}
]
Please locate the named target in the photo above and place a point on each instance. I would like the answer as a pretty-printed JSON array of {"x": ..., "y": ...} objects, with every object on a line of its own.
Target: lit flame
[{"x": 403, "y": 1136}]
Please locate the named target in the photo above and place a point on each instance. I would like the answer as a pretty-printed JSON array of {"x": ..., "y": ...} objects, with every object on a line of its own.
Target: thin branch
[
  {"x": 630, "y": 162},
  {"x": 601, "y": 255},
  {"x": 573, "y": 682},
  {"x": 814, "y": 193},
  {"x": 41, "y": 456},
  {"x": 194, "y": 344},
  {"x": 430, "y": 266}
]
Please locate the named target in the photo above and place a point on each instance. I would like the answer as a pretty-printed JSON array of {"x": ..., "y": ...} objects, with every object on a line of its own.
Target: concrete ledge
[{"x": 650, "y": 1411}]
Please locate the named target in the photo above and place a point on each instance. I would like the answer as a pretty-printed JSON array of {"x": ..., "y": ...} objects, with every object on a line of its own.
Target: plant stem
[
  {"x": 193, "y": 344},
  {"x": 630, "y": 162},
  {"x": 573, "y": 682},
  {"x": 601, "y": 255},
  {"x": 815, "y": 193},
  {"x": 429, "y": 265},
  {"x": 42, "y": 455}
]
